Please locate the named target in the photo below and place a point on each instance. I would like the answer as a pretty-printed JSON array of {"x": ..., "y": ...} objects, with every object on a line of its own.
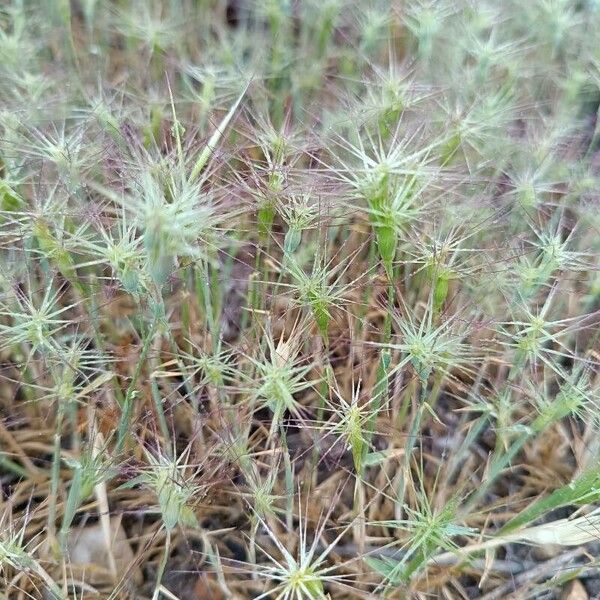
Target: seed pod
[
  {"x": 292, "y": 240},
  {"x": 160, "y": 268},
  {"x": 129, "y": 277},
  {"x": 51, "y": 246},
  {"x": 450, "y": 148},
  {"x": 440, "y": 292},
  {"x": 266, "y": 216},
  {"x": 169, "y": 507},
  {"x": 387, "y": 240},
  {"x": 160, "y": 263},
  {"x": 10, "y": 200},
  {"x": 527, "y": 196},
  {"x": 321, "y": 317},
  {"x": 355, "y": 437}
]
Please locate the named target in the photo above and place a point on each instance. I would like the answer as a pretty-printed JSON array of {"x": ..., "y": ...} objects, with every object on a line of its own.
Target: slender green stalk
[{"x": 124, "y": 427}]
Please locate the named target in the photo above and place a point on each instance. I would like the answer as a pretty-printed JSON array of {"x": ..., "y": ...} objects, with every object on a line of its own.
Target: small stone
[
  {"x": 88, "y": 553},
  {"x": 574, "y": 591},
  {"x": 546, "y": 552}
]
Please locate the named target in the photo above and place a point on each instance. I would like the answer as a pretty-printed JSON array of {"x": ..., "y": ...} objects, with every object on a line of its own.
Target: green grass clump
[{"x": 298, "y": 300}]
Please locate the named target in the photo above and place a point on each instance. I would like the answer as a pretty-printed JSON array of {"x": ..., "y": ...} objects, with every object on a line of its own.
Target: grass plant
[{"x": 299, "y": 299}]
